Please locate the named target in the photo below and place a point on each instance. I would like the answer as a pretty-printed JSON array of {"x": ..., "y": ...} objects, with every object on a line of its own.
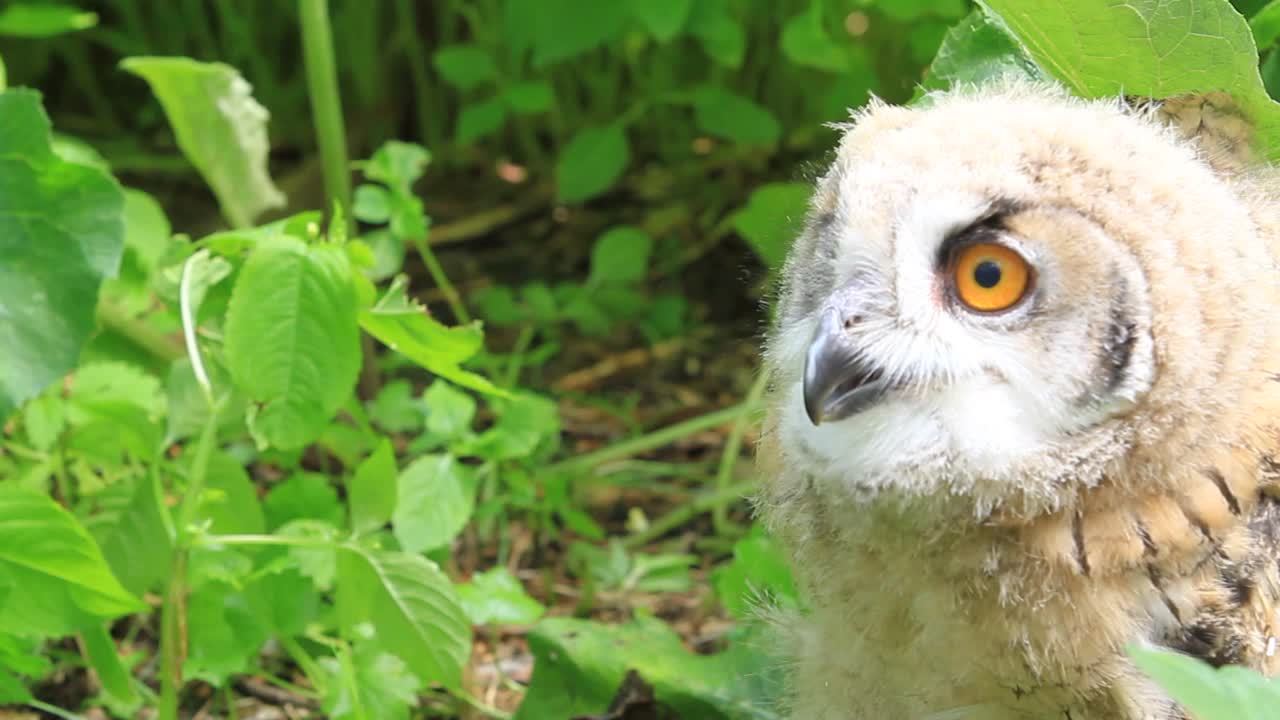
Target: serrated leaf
[
  {"x": 219, "y": 127},
  {"x": 591, "y": 162},
  {"x": 1148, "y": 48},
  {"x": 367, "y": 684},
  {"x": 413, "y": 607},
  {"x": 566, "y": 28},
  {"x": 772, "y": 218},
  {"x": 733, "y": 117},
  {"x": 372, "y": 490},
  {"x": 434, "y": 502},
  {"x": 407, "y": 328},
  {"x": 465, "y": 66},
  {"x": 44, "y": 19},
  {"x": 292, "y": 341},
  {"x": 65, "y": 582},
  {"x": 497, "y": 597},
  {"x": 662, "y": 18},
  {"x": 61, "y": 235},
  {"x": 620, "y": 257}
]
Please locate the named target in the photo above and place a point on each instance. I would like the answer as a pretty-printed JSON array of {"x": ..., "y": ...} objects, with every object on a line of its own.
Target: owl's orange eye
[{"x": 990, "y": 277}]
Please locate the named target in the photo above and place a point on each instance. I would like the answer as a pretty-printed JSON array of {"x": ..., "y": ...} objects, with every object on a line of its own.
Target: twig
[
  {"x": 267, "y": 692},
  {"x": 592, "y": 375}
]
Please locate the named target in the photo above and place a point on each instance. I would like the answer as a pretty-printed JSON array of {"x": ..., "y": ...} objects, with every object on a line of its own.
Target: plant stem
[
  {"x": 161, "y": 345},
  {"x": 649, "y": 441},
  {"x": 416, "y": 54},
  {"x": 733, "y": 448},
  {"x": 326, "y": 103},
  {"x": 451, "y": 295},
  {"x": 683, "y": 514},
  {"x": 214, "y": 540}
]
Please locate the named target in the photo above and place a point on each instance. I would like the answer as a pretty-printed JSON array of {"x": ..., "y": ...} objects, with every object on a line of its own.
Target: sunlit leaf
[
  {"x": 43, "y": 19},
  {"x": 772, "y": 218},
  {"x": 496, "y": 597},
  {"x": 435, "y": 497},
  {"x": 372, "y": 490}
]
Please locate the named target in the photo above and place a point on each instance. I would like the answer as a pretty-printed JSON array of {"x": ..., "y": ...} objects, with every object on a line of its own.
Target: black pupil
[{"x": 987, "y": 274}]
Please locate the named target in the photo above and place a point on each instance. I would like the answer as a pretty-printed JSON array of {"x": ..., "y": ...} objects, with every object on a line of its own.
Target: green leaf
[
  {"x": 591, "y": 162},
  {"x": 230, "y": 502},
  {"x": 526, "y": 422},
  {"x": 1265, "y": 25},
  {"x": 219, "y": 126},
  {"x": 579, "y": 666},
  {"x": 495, "y": 597},
  {"x": 115, "y": 407},
  {"x": 44, "y": 419},
  {"x": 759, "y": 569},
  {"x": 292, "y": 341},
  {"x": 772, "y": 218},
  {"x": 721, "y": 35},
  {"x": 43, "y": 19},
  {"x": 397, "y": 164},
  {"x": 65, "y": 582},
  {"x": 806, "y": 42},
  {"x": 61, "y": 234},
  {"x": 146, "y": 228},
  {"x": 367, "y": 684},
  {"x": 479, "y": 119},
  {"x": 912, "y": 10},
  {"x": 317, "y": 561},
  {"x": 413, "y": 607},
  {"x": 620, "y": 257},
  {"x": 976, "y": 50},
  {"x": 371, "y": 204},
  {"x": 1148, "y": 48},
  {"x": 566, "y": 28},
  {"x": 465, "y": 66},
  {"x": 372, "y": 490},
  {"x": 223, "y": 632},
  {"x": 137, "y": 546},
  {"x": 395, "y": 409},
  {"x": 407, "y": 328},
  {"x": 662, "y": 18},
  {"x": 1228, "y": 693},
  {"x": 303, "y": 495},
  {"x": 434, "y": 502},
  {"x": 733, "y": 117},
  {"x": 116, "y": 681},
  {"x": 449, "y": 410},
  {"x": 528, "y": 98}
]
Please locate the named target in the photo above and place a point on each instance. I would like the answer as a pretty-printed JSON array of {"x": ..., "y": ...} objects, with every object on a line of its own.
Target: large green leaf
[
  {"x": 977, "y": 49},
  {"x": 45, "y": 553},
  {"x": 292, "y": 341},
  {"x": 219, "y": 126},
  {"x": 412, "y": 606},
  {"x": 1150, "y": 48},
  {"x": 579, "y": 666},
  {"x": 61, "y": 234},
  {"x": 1229, "y": 693}
]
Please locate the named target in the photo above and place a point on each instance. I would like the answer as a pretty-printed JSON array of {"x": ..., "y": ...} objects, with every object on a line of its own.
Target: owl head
[{"x": 1002, "y": 292}]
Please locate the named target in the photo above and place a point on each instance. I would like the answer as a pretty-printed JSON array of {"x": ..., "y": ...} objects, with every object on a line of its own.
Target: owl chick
[{"x": 1025, "y": 412}]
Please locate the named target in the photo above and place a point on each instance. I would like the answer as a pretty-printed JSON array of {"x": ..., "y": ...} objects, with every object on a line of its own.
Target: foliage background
[{"x": 367, "y": 512}]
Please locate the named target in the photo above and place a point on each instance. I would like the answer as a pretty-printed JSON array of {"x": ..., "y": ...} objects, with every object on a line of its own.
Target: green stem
[
  {"x": 173, "y": 621},
  {"x": 649, "y": 441},
  {"x": 326, "y": 103},
  {"x": 442, "y": 281},
  {"x": 54, "y": 711},
  {"x": 160, "y": 345},
  {"x": 516, "y": 361},
  {"x": 733, "y": 448},
  {"x": 215, "y": 540},
  {"x": 688, "y": 511},
  {"x": 416, "y": 54}
]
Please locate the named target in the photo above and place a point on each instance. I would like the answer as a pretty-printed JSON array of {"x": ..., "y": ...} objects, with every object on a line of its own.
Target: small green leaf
[
  {"x": 137, "y": 546},
  {"x": 495, "y": 597},
  {"x": 405, "y": 327},
  {"x": 303, "y": 495},
  {"x": 526, "y": 423},
  {"x": 806, "y": 42},
  {"x": 146, "y": 228},
  {"x": 115, "y": 408},
  {"x": 772, "y": 218},
  {"x": 367, "y": 684},
  {"x": 722, "y": 37},
  {"x": 434, "y": 502},
  {"x": 566, "y": 28},
  {"x": 223, "y": 632},
  {"x": 372, "y": 490},
  {"x": 61, "y": 235},
  {"x": 395, "y": 409},
  {"x": 620, "y": 256},
  {"x": 44, "y": 419},
  {"x": 65, "y": 582},
  {"x": 758, "y": 570},
  {"x": 662, "y": 18},
  {"x": 43, "y": 19},
  {"x": 219, "y": 126},
  {"x": 480, "y": 119},
  {"x": 591, "y": 162},
  {"x": 371, "y": 204},
  {"x": 292, "y": 341},
  {"x": 465, "y": 66},
  {"x": 318, "y": 561},
  {"x": 397, "y": 164},
  {"x": 413, "y": 607},
  {"x": 528, "y": 98},
  {"x": 231, "y": 501},
  {"x": 449, "y": 410},
  {"x": 733, "y": 117}
]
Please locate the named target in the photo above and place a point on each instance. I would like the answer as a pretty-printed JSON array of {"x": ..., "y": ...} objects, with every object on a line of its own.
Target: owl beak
[{"x": 839, "y": 381}]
